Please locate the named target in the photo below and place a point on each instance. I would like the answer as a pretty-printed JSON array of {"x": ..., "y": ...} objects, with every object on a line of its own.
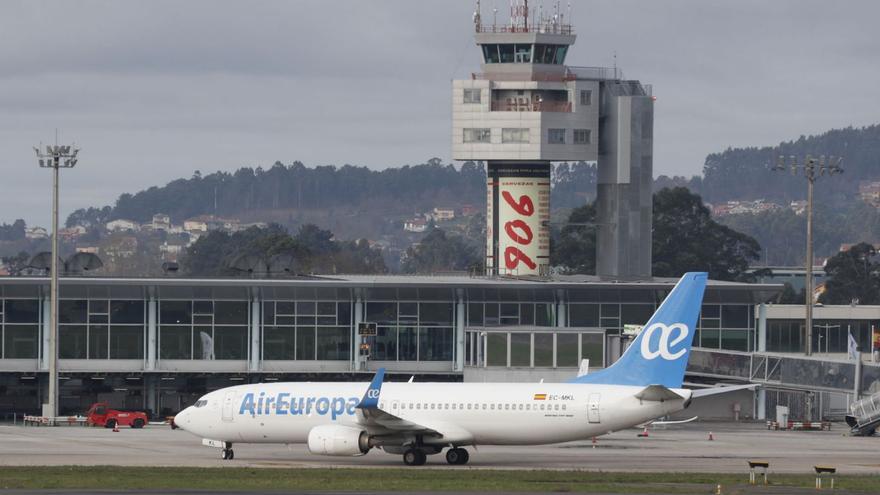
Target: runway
[{"x": 683, "y": 448}]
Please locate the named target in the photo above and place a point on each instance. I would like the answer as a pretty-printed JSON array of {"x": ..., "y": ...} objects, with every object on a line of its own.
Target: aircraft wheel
[
  {"x": 457, "y": 456},
  {"x": 231, "y": 454},
  {"x": 414, "y": 457},
  {"x": 227, "y": 454}
]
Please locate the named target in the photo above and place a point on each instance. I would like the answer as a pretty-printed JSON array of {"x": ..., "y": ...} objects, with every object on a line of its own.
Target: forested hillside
[
  {"x": 351, "y": 201},
  {"x": 742, "y": 173}
]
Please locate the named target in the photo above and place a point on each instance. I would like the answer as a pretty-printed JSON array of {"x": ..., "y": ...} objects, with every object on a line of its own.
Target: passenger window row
[{"x": 471, "y": 406}]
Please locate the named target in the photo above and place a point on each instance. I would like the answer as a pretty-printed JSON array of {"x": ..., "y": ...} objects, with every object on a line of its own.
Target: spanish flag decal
[{"x": 540, "y": 396}]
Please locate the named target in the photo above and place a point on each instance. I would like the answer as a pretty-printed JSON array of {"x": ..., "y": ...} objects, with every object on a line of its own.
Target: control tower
[{"x": 527, "y": 109}]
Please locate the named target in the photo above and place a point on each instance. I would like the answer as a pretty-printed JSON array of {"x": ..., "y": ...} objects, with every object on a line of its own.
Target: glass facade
[
  {"x": 533, "y": 348},
  {"x": 307, "y": 330},
  {"x": 502, "y": 326},
  {"x": 829, "y": 336},
  {"x": 20, "y": 324},
  {"x": 412, "y": 325},
  {"x": 101, "y": 329},
  {"x": 199, "y": 329},
  {"x": 519, "y": 53}
]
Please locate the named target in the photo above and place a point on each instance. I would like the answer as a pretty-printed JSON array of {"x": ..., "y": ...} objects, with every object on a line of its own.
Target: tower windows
[
  {"x": 514, "y": 135},
  {"x": 509, "y": 53},
  {"x": 555, "y": 136},
  {"x": 472, "y": 96},
  {"x": 477, "y": 135},
  {"x": 586, "y": 97},
  {"x": 582, "y": 136}
]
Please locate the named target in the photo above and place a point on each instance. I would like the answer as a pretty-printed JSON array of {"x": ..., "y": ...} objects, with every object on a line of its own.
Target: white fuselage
[{"x": 467, "y": 413}]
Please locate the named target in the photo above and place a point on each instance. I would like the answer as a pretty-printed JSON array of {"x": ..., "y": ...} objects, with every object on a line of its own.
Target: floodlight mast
[
  {"x": 812, "y": 168},
  {"x": 55, "y": 157}
]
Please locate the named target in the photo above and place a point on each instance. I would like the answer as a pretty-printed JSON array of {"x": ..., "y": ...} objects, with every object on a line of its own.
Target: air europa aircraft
[{"x": 421, "y": 419}]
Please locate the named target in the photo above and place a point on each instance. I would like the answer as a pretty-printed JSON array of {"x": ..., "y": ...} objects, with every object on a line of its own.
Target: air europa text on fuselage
[{"x": 285, "y": 403}]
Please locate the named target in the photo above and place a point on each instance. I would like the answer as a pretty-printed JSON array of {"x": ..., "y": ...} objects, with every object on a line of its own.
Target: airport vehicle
[
  {"x": 864, "y": 416},
  {"x": 421, "y": 419},
  {"x": 100, "y": 414}
]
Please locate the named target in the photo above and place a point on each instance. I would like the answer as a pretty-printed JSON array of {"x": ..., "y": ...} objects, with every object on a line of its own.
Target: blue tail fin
[{"x": 659, "y": 354}]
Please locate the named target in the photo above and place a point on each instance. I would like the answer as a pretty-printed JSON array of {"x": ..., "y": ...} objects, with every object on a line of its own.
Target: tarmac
[{"x": 679, "y": 448}]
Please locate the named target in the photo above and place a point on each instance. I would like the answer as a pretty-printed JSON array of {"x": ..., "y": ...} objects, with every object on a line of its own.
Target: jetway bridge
[
  {"x": 785, "y": 371},
  {"x": 809, "y": 387}
]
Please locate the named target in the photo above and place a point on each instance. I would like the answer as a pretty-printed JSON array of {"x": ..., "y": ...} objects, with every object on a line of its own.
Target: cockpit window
[{"x": 201, "y": 403}]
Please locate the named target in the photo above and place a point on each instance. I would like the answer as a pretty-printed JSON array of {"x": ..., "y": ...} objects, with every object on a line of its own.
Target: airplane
[{"x": 420, "y": 419}]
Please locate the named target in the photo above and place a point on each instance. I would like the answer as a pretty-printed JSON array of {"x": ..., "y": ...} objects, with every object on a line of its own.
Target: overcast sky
[{"x": 152, "y": 91}]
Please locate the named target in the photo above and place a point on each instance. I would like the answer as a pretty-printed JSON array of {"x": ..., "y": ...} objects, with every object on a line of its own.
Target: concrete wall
[
  {"x": 480, "y": 116},
  {"x": 624, "y": 195},
  {"x": 721, "y": 407}
]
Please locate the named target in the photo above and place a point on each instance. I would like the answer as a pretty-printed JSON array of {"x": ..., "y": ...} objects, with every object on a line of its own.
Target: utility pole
[
  {"x": 812, "y": 168},
  {"x": 55, "y": 157}
]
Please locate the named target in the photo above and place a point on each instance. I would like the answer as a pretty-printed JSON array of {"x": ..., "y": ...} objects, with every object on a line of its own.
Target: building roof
[{"x": 733, "y": 292}]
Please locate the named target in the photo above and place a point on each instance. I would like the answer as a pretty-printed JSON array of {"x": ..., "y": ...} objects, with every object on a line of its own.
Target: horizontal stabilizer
[
  {"x": 703, "y": 392},
  {"x": 657, "y": 393}
]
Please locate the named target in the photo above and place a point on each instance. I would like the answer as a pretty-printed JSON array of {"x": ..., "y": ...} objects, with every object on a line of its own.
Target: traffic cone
[
  {"x": 644, "y": 433},
  {"x": 711, "y": 437},
  {"x": 594, "y": 442},
  {"x": 116, "y": 427}
]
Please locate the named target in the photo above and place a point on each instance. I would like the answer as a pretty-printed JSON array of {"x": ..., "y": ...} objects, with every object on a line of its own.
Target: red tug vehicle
[{"x": 100, "y": 414}]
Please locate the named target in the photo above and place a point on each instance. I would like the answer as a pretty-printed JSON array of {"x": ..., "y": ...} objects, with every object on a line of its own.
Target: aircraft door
[
  {"x": 593, "y": 408},
  {"x": 228, "y": 403}
]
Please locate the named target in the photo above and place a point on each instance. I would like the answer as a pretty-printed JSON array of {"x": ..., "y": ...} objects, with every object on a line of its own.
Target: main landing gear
[
  {"x": 457, "y": 456},
  {"x": 414, "y": 457},
  {"x": 227, "y": 454}
]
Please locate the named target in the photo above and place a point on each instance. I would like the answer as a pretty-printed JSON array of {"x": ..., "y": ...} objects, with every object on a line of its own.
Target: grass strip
[{"x": 395, "y": 480}]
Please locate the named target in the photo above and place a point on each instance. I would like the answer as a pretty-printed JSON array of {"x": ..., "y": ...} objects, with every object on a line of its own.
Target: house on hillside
[
  {"x": 443, "y": 214},
  {"x": 33, "y": 233},
  {"x": 869, "y": 192},
  {"x": 161, "y": 221},
  {"x": 121, "y": 247},
  {"x": 799, "y": 207},
  {"x": 122, "y": 225},
  {"x": 195, "y": 225},
  {"x": 87, "y": 249},
  {"x": 72, "y": 233},
  {"x": 415, "y": 225},
  {"x": 470, "y": 210}
]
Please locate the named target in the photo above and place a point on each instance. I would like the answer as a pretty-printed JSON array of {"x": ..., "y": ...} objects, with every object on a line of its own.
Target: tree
[
  {"x": 12, "y": 232},
  {"x": 16, "y": 265},
  {"x": 687, "y": 239},
  {"x": 853, "y": 275},
  {"x": 574, "y": 250},
  {"x": 312, "y": 248},
  {"x": 438, "y": 252}
]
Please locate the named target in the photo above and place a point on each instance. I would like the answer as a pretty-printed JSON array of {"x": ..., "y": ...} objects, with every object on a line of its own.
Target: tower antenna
[{"x": 477, "y": 21}]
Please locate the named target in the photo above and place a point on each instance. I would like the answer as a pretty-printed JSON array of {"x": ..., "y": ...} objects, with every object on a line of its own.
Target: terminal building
[{"x": 158, "y": 344}]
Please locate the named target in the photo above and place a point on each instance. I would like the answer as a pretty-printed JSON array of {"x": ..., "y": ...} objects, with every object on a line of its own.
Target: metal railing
[
  {"x": 600, "y": 73},
  {"x": 531, "y": 106},
  {"x": 538, "y": 27}
]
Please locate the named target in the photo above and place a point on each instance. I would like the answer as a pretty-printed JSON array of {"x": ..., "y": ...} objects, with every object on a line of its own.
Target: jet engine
[{"x": 338, "y": 440}]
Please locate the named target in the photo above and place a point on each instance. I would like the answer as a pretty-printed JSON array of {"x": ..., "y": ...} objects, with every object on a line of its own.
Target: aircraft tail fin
[{"x": 659, "y": 354}]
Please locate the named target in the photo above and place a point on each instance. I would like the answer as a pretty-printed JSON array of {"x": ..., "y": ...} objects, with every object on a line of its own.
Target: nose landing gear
[{"x": 227, "y": 454}]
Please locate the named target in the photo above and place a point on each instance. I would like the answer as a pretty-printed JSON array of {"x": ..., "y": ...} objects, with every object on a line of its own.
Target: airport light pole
[
  {"x": 55, "y": 157},
  {"x": 812, "y": 168}
]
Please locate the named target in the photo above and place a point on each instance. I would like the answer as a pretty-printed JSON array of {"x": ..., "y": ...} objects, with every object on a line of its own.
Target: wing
[{"x": 379, "y": 421}]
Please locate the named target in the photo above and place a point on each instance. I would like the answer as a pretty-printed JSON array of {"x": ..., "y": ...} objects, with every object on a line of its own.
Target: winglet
[{"x": 371, "y": 397}]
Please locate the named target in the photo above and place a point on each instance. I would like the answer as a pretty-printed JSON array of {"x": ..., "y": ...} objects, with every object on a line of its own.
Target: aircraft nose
[{"x": 183, "y": 418}]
